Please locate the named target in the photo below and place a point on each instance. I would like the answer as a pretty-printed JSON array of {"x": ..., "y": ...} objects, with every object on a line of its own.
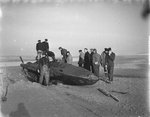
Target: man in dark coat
[
  {"x": 45, "y": 45},
  {"x": 91, "y": 60},
  {"x": 51, "y": 54},
  {"x": 104, "y": 60},
  {"x": 86, "y": 59},
  {"x": 96, "y": 62},
  {"x": 64, "y": 54},
  {"x": 44, "y": 70},
  {"x": 110, "y": 68},
  {"x": 39, "y": 49},
  {"x": 39, "y": 45}
]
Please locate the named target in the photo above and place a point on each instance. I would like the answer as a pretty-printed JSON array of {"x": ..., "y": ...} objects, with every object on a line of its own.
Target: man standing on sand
[
  {"x": 104, "y": 60},
  {"x": 86, "y": 59},
  {"x": 96, "y": 62},
  {"x": 39, "y": 49},
  {"x": 110, "y": 68},
  {"x": 81, "y": 58},
  {"x": 64, "y": 54},
  {"x": 45, "y": 45},
  {"x": 44, "y": 70},
  {"x": 91, "y": 60}
]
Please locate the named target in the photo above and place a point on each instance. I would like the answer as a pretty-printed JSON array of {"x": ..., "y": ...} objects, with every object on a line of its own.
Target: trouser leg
[
  {"x": 85, "y": 65},
  {"x": 65, "y": 59},
  {"x": 110, "y": 73},
  {"x": 106, "y": 70},
  {"x": 89, "y": 67},
  {"x": 41, "y": 78},
  {"x": 92, "y": 68},
  {"x": 47, "y": 77},
  {"x": 40, "y": 54},
  {"x": 96, "y": 70}
]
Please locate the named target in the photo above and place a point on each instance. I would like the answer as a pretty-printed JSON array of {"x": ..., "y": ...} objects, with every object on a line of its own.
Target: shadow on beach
[{"x": 20, "y": 112}]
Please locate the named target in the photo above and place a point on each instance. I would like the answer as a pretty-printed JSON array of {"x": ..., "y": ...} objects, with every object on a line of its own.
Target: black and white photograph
[{"x": 74, "y": 58}]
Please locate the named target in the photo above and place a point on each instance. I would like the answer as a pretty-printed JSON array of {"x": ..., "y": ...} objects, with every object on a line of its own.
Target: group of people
[
  {"x": 66, "y": 55},
  {"x": 92, "y": 61},
  {"x": 88, "y": 60},
  {"x": 42, "y": 47},
  {"x": 43, "y": 60}
]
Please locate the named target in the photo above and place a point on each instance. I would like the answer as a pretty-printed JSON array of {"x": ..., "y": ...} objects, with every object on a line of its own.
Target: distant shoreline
[
  {"x": 14, "y": 58},
  {"x": 125, "y": 66}
]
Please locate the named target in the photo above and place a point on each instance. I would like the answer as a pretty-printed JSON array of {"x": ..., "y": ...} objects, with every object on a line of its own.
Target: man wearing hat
[
  {"x": 45, "y": 45},
  {"x": 44, "y": 69},
  {"x": 104, "y": 60},
  {"x": 81, "y": 58},
  {"x": 96, "y": 62},
  {"x": 39, "y": 49},
  {"x": 91, "y": 59},
  {"x": 110, "y": 68},
  {"x": 86, "y": 59},
  {"x": 63, "y": 53}
]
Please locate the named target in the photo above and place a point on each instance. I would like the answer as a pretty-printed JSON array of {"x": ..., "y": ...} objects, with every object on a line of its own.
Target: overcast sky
[{"x": 73, "y": 26}]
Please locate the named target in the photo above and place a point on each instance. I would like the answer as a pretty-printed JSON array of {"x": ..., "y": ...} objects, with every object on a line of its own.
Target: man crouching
[{"x": 44, "y": 70}]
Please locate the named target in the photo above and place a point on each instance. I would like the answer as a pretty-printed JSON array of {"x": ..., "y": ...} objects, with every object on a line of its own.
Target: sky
[{"x": 74, "y": 26}]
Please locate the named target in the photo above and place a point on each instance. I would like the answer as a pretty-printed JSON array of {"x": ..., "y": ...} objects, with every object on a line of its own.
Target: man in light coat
[
  {"x": 69, "y": 58},
  {"x": 81, "y": 58}
]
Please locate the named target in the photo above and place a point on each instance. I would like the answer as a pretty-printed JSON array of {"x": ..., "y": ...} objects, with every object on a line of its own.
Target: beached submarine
[{"x": 63, "y": 72}]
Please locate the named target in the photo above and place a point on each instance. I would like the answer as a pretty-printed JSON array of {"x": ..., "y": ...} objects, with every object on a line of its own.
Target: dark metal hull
[{"x": 66, "y": 73}]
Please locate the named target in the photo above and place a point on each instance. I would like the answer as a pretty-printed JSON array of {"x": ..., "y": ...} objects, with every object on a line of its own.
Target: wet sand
[{"x": 27, "y": 99}]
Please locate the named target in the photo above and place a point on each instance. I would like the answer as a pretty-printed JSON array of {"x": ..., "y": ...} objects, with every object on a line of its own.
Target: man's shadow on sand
[{"x": 20, "y": 112}]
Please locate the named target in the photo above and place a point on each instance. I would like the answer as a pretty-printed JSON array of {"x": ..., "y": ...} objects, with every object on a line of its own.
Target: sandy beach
[
  {"x": 27, "y": 99},
  {"x": 60, "y": 29}
]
